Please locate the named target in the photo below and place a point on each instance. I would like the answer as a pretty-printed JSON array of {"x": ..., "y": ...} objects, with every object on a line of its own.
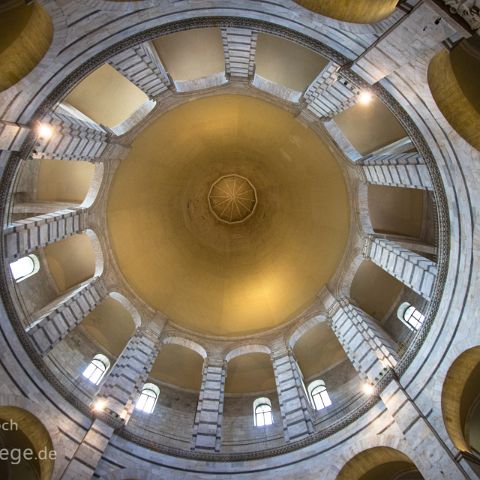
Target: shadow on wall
[
  {"x": 27, "y": 33},
  {"x": 453, "y": 78},
  {"x": 355, "y": 11},
  {"x": 47, "y": 186},
  {"x": 110, "y": 325},
  {"x": 396, "y": 211},
  {"x": 461, "y": 402},
  {"x": 22, "y": 431},
  {"x": 379, "y": 463}
]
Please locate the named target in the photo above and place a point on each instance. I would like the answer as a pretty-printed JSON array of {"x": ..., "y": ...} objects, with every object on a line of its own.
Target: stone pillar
[
  {"x": 330, "y": 94},
  {"x": 367, "y": 345},
  {"x": 141, "y": 65},
  {"x": 56, "y": 320},
  {"x": 12, "y": 135},
  {"x": 373, "y": 355},
  {"x": 84, "y": 462},
  {"x": 125, "y": 380},
  {"x": 413, "y": 270},
  {"x": 294, "y": 406},
  {"x": 239, "y": 46},
  {"x": 76, "y": 137},
  {"x": 397, "y": 170},
  {"x": 410, "y": 243},
  {"x": 25, "y": 236},
  {"x": 207, "y": 428},
  {"x": 419, "y": 33}
]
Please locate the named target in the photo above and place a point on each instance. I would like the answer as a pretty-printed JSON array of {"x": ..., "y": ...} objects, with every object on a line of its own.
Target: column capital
[
  {"x": 207, "y": 428},
  {"x": 294, "y": 406},
  {"x": 152, "y": 330}
]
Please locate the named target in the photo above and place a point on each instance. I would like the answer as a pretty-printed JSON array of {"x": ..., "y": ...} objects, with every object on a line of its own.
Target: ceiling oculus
[{"x": 232, "y": 198}]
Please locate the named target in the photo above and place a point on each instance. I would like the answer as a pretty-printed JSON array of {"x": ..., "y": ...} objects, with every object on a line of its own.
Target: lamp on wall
[
  {"x": 368, "y": 389},
  {"x": 44, "y": 131},
  {"x": 365, "y": 97}
]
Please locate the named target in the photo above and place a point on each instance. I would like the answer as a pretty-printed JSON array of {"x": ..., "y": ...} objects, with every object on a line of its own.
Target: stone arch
[
  {"x": 246, "y": 349},
  {"x": 187, "y": 343},
  {"x": 41, "y": 433},
  {"x": 460, "y": 393},
  {"x": 127, "y": 304},
  {"x": 27, "y": 35},
  {"x": 453, "y": 80},
  {"x": 374, "y": 458},
  {"x": 363, "y": 210},
  {"x": 354, "y": 11},
  {"x": 303, "y": 328},
  {"x": 95, "y": 186},
  {"x": 97, "y": 248},
  {"x": 74, "y": 260}
]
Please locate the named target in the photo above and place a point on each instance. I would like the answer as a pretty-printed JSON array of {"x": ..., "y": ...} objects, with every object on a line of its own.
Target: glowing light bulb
[
  {"x": 368, "y": 389},
  {"x": 44, "y": 131},
  {"x": 365, "y": 97},
  {"x": 99, "y": 405}
]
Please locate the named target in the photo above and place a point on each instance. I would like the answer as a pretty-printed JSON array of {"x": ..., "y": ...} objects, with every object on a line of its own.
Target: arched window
[
  {"x": 410, "y": 316},
  {"x": 319, "y": 395},
  {"x": 262, "y": 412},
  {"x": 97, "y": 368},
  {"x": 25, "y": 267},
  {"x": 148, "y": 398}
]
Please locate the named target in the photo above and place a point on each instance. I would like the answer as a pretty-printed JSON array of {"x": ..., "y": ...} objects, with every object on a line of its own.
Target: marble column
[
  {"x": 410, "y": 268},
  {"x": 25, "y": 236},
  {"x": 239, "y": 46},
  {"x": 56, "y": 320},
  {"x": 397, "y": 170},
  {"x": 294, "y": 405},
  {"x": 207, "y": 428},
  {"x": 123, "y": 384}
]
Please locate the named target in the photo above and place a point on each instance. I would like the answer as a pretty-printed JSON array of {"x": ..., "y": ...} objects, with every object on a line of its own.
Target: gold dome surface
[{"x": 213, "y": 277}]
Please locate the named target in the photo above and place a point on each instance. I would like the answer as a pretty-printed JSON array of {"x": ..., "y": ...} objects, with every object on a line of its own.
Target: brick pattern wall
[
  {"x": 141, "y": 65},
  {"x": 366, "y": 344},
  {"x": 58, "y": 319},
  {"x": 413, "y": 270},
  {"x": 397, "y": 170},
  {"x": 25, "y": 236},
  {"x": 207, "y": 429},
  {"x": 171, "y": 422},
  {"x": 239, "y": 434},
  {"x": 239, "y": 46},
  {"x": 330, "y": 94},
  {"x": 294, "y": 407}
]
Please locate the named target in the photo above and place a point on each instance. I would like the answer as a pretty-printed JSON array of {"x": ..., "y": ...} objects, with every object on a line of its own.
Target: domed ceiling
[{"x": 214, "y": 276}]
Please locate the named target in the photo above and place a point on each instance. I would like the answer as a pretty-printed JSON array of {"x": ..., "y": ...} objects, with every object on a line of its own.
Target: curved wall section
[
  {"x": 355, "y": 11},
  {"x": 27, "y": 33},
  {"x": 451, "y": 99}
]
